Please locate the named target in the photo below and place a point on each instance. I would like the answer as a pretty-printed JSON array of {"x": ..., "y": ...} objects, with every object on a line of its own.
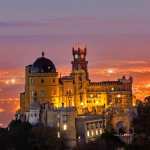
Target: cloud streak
[{"x": 79, "y": 24}]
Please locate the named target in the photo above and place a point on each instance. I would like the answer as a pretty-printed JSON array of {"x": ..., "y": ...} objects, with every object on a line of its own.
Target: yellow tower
[{"x": 41, "y": 84}]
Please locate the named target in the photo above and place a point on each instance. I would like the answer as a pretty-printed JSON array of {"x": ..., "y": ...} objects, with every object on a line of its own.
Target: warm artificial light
[
  {"x": 118, "y": 95},
  {"x": 88, "y": 133},
  {"x": 65, "y": 127}
]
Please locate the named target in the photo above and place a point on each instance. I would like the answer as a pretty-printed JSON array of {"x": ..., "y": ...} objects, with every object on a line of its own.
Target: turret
[{"x": 79, "y": 60}]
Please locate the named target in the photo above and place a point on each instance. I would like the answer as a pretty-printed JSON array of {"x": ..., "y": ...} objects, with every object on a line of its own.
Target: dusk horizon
[{"x": 115, "y": 33}]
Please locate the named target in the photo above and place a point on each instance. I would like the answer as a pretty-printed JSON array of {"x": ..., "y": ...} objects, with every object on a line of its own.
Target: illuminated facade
[{"x": 43, "y": 84}]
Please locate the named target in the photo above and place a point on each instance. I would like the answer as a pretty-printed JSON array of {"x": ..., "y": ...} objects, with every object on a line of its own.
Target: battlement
[
  {"x": 121, "y": 81},
  {"x": 79, "y": 50}
]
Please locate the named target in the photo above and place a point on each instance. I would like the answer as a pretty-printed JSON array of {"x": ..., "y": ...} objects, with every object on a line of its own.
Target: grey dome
[{"x": 43, "y": 65}]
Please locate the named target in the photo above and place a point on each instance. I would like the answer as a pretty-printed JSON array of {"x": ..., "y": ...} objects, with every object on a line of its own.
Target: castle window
[
  {"x": 80, "y": 78},
  {"x": 116, "y": 100},
  {"x": 88, "y": 133},
  {"x": 112, "y": 89},
  {"x": 100, "y": 124},
  {"x": 49, "y": 67},
  {"x": 91, "y": 126},
  {"x": 54, "y": 92},
  {"x": 42, "y": 80},
  {"x": 87, "y": 126},
  {"x": 53, "y": 80},
  {"x": 64, "y": 118},
  {"x": 81, "y": 86},
  {"x": 32, "y": 93},
  {"x": 120, "y": 101},
  {"x": 35, "y": 94},
  {"x": 97, "y": 125},
  {"x": 76, "y": 56}
]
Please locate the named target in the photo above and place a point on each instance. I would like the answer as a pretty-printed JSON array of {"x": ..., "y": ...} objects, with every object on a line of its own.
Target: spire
[{"x": 43, "y": 53}]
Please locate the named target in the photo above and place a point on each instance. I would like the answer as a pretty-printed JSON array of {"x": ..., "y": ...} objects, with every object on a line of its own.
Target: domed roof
[{"x": 43, "y": 65}]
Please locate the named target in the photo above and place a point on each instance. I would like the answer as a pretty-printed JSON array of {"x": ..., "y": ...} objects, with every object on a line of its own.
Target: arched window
[
  {"x": 53, "y": 80},
  {"x": 42, "y": 81}
]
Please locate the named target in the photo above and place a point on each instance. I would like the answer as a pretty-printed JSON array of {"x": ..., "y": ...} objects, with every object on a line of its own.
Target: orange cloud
[{"x": 2, "y": 110}]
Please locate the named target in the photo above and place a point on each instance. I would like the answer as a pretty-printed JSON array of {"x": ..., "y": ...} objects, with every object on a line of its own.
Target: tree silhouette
[
  {"x": 22, "y": 136},
  {"x": 19, "y": 132},
  {"x": 141, "y": 126},
  {"x": 44, "y": 138},
  {"x": 107, "y": 141}
]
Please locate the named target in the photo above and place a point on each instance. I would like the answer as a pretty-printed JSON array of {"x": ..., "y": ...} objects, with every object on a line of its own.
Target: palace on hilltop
[
  {"x": 79, "y": 108},
  {"x": 43, "y": 84}
]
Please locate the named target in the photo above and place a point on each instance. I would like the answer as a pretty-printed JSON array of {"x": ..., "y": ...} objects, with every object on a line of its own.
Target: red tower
[{"x": 79, "y": 60}]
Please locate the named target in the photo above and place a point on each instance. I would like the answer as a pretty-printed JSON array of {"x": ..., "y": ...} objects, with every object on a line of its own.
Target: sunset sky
[{"x": 116, "y": 32}]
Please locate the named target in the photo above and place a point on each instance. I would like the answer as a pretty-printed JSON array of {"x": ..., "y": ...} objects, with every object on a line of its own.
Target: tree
[
  {"x": 44, "y": 138},
  {"x": 15, "y": 136},
  {"x": 107, "y": 141},
  {"x": 22, "y": 136},
  {"x": 142, "y": 122},
  {"x": 19, "y": 132},
  {"x": 141, "y": 125},
  {"x": 4, "y": 139}
]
